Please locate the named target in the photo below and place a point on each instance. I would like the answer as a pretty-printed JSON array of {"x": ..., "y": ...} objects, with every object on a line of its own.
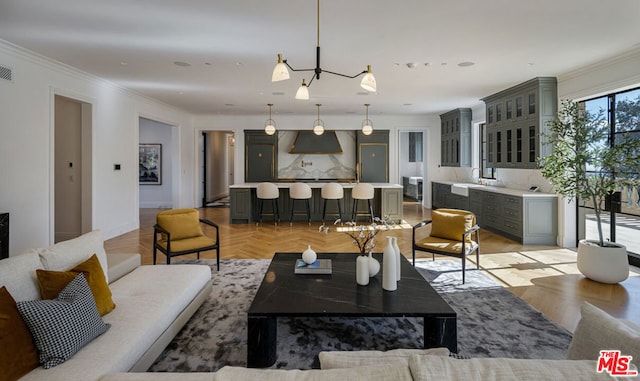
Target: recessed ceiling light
[
  {"x": 411, "y": 65},
  {"x": 466, "y": 64},
  {"x": 444, "y": 64},
  {"x": 229, "y": 104},
  {"x": 124, "y": 63},
  {"x": 426, "y": 64},
  {"x": 208, "y": 63},
  {"x": 181, "y": 63},
  {"x": 362, "y": 93},
  {"x": 407, "y": 104},
  {"x": 277, "y": 93}
]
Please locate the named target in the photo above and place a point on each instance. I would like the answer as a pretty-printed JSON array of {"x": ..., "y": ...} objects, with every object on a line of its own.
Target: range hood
[{"x": 308, "y": 142}]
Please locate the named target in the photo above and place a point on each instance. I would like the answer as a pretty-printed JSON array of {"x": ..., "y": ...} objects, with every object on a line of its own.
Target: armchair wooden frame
[
  {"x": 465, "y": 248},
  {"x": 157, "y": 229}
]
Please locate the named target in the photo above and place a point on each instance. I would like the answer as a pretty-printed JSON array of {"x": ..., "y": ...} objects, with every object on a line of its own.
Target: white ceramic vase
[
  {"x": 362, "y": 270},
  {"x": 389, "y": 272},
  {"x": 608, "y": 264},
  {"x": 374, "y": 266},
  {"x": 397, "y": 250},
  {"x": 309, "y": 256}
]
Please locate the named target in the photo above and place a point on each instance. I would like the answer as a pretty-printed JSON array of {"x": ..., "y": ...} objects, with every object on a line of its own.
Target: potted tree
[{"x": 584, "y": 166}]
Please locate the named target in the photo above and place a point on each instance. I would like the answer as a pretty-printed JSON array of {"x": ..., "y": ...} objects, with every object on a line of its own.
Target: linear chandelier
[{"x": 281, "y": 73}]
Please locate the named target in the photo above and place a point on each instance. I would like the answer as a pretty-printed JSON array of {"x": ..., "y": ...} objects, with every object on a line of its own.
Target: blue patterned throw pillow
[{"x": 61, "y": 326}]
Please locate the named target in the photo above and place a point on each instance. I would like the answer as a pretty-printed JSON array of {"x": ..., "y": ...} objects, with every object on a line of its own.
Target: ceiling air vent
[{"x": 5, "y": 73}]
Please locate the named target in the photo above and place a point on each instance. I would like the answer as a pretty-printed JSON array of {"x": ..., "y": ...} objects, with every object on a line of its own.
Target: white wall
[
  {"x": 26, "y": 146},
  {"x": 158, "y": 196}
]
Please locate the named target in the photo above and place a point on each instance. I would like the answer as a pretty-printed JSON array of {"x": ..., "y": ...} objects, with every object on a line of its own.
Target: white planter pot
[{"x": 603, "y": 264}]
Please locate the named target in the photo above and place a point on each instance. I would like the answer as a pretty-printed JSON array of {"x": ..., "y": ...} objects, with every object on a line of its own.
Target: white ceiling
[{"x": 232, "y": 47}]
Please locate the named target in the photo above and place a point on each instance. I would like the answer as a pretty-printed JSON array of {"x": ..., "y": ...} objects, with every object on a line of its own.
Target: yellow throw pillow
[
  {"x": 18, "y": 353},
  {"x": 181, "y": 223},
  {"x": 52, "y": 282},
  {"x": 451, "y": 223}
]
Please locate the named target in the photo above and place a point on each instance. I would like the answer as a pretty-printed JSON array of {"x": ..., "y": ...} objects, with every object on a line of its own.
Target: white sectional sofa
[
  {"x": 154, "y": 302},
  {"x": 152, "y": 305}
]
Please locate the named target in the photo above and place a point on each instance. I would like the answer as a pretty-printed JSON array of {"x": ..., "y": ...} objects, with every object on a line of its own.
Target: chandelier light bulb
[
  {"x": 367, "y": 129},
  {"x": 303, "y": 91},
  {"x": 368, "y": 81},
  {"x": 280, "y": 72}
]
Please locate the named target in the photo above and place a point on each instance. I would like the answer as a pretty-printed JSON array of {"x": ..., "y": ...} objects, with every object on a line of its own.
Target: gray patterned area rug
[{"x": 492, "y": 322}]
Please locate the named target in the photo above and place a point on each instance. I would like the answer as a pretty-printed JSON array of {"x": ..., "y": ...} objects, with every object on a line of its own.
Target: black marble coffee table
[{"x": 283, "y": 293}]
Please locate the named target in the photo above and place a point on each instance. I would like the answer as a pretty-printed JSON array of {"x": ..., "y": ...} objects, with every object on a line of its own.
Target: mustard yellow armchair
[
  {"x": 178, "y": 232},
  {"x": 453, "y": 232}
]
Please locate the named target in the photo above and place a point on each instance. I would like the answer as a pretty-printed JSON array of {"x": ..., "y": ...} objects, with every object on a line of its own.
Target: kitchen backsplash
[{"x": 317, "y": 166}]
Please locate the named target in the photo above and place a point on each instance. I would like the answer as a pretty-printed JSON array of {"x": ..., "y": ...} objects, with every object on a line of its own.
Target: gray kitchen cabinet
[
  {"x": 373, "y": 156},
  {"x": 455, "y": 138},
  {"x": 516, "y": 120},
  {"x": 391, "y": 204},
  {"x": 261, "y": 156},
  {"x": 439, "y": 193},
  {"x": 240, "y": 205},
  {"x": 475, "y": 204},
  {"x": 531, "y": 219}
]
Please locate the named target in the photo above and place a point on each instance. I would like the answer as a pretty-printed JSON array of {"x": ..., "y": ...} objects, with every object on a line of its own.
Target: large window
[
  {"x": 485, "y": 172},
  {"x": 622, "y": 112}
]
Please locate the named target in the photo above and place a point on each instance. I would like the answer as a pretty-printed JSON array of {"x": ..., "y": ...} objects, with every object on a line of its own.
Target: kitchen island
[{"x": 387, "y": 202}]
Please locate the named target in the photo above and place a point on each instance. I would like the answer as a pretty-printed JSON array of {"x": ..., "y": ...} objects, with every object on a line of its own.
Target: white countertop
[
  {"x": 502, "y": 190},
  {"x": 285, "y": 185}
]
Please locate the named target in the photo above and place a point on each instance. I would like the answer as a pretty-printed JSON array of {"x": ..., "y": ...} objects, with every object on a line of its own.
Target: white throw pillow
[
  {"x": 428, "y": 368},
  {"x": 352, "y": 359},
  {"x": 67, "y": 254},
  {"x": 598, "y": 331},
  {"x": 18, "y": 274}
]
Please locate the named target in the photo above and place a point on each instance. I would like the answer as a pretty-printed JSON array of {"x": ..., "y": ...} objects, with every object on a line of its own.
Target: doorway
[
  {"x": 157, "y": 138},
  {"x": 72, "y": 168},
  {"x": 411, "y": 165},
  {"x": 218, "y": 150}
]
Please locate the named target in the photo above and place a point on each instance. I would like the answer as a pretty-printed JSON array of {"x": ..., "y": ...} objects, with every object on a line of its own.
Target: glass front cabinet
[
  {"x": 455, "y": 135},
  {"x": 516, "y": 118}
]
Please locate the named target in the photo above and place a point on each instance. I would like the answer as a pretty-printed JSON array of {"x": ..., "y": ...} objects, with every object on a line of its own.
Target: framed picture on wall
[{"x": 150, "y": 164}]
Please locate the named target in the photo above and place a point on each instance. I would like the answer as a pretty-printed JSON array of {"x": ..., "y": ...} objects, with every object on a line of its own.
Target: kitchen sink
[{"x": 462, "y": 189}]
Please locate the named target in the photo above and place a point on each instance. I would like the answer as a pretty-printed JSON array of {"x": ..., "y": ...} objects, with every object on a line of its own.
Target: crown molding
[{"x": 49, "y": 63}]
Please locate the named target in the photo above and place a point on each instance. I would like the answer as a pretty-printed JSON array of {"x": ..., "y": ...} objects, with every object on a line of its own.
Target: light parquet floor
[{"x": 546, "y": 277}]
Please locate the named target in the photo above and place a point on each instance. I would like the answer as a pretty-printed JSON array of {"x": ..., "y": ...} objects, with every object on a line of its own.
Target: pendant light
[
  {"x": 281, "y": 72},
  {"x": 367, "y": 125},
  {"x": 318, "y": 124},
  {"x": 270, "y": 124}
]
